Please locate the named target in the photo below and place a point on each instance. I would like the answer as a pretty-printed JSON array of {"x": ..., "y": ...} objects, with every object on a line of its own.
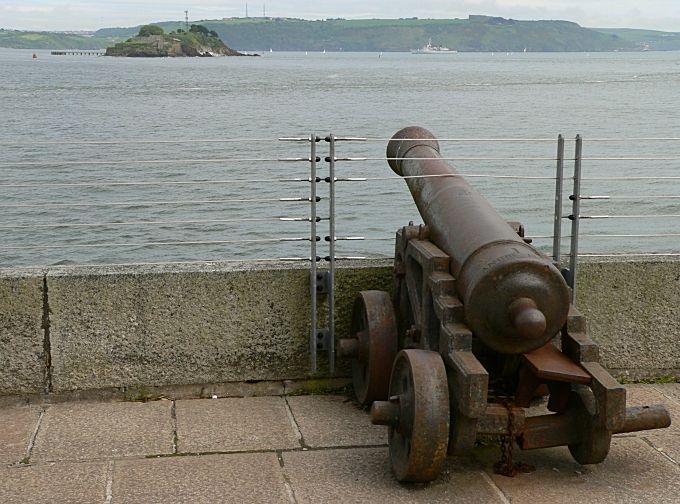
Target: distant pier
[{"x": 77, "y": 53}]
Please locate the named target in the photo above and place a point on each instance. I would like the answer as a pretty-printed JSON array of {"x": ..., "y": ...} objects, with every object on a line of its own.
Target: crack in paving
[
  {"x": 109, "y": 483},
  {"x": 659, "y": 450},
  {"x": 660, "y": 390},
  {"x": 275, "y": 451},
  {"x": 295, "y": 425},
  {"x": 173, "y": 415},
  {"x": 34, "y": 435},
  {"x": 287, "y": 483},
  {"x": 495, "y": 488},
  {"x": 304, "y": 449}
]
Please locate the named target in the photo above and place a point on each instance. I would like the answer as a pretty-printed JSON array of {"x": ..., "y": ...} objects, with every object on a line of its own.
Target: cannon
[{"x": 479, "y": 327}]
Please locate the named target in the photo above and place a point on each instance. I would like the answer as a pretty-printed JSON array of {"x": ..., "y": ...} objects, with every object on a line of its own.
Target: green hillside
[
  {"x": 646, "y": 40},
  {"x": 47, "y": 40},
  {"x": 478, "y": 33}
]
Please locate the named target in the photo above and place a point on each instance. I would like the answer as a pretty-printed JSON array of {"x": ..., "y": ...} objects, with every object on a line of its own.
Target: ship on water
[{"x": 433, "y": 49}]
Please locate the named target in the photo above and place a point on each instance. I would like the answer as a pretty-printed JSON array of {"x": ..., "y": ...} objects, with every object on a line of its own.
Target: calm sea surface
[{"x": 67, "y": 199}]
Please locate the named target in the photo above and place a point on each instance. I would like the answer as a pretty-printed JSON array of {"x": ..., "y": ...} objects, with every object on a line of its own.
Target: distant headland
[
  {"x": 152, "y": 42},
  {"x": 474, "y": 34}
]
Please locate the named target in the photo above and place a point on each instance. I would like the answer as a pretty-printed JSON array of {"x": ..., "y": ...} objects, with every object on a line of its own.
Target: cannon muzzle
[{"x": 515, "y": 299}]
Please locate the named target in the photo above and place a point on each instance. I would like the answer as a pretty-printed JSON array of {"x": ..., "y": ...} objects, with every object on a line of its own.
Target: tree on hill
[
  {"x": 202, "y": 30},
  {"x": 198, "y": 29},
  {"x": 148, "y": 30}
]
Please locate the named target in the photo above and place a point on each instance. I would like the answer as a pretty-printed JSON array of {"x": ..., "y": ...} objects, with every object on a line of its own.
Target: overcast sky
[{"x": 93, "y": 14}]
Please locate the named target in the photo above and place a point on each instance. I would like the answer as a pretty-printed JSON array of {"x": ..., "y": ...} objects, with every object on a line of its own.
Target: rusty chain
[{"x": 506, "y": 466}]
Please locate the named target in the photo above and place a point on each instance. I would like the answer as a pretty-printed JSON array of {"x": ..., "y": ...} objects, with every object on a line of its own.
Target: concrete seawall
[{"x": 108, "y": 328}]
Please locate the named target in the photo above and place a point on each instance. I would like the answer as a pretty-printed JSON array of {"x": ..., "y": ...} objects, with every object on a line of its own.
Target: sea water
[{"x": 68, "y": 198}]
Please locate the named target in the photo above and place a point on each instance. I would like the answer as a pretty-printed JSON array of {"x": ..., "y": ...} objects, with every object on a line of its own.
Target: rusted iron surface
[
  {"x": 477, "y": 313},
  {"x": 558, "y": 401},
  {"x": 641, "y": 418},
  {"x": 493, "y": 266},
  {"x": 579, "y": 347},
  {"x": 547, "y": 365},
  {"x": 576, "y": 322},
  {"x": 527, "y": 385},
  {"x": 590, "y": 417},
  {"x": 462, "y": 434},
  {"x": 372, "y": 345},
  {"x": 454, "y": 337},
  {"x": 419, "y": 441},
  {"x": 348, "y": 347},
  {"x": 527, "y": 318},
  {"x": 385, "y": 412},
  {"x": 546, "y": 431},
  {"x": 469, "y": 384},
  {"x": 468, "y": 388},
  {"x": 609, "y": 396},
  {"x": 495, "y": 420}
]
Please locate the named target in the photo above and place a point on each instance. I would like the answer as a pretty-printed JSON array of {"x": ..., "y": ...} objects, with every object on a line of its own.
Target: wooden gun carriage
[{"x": 480, "y": 324}]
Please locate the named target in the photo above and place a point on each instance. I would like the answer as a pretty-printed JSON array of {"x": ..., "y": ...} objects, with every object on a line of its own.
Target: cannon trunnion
[{"x": 479, "y": 325}]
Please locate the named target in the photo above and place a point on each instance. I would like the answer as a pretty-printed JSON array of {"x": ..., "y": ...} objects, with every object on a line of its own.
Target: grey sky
[{"x": 93, "y": 14}]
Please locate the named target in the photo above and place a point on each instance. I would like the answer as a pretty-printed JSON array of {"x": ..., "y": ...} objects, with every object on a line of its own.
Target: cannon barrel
[{"x": 515, "y": 299}]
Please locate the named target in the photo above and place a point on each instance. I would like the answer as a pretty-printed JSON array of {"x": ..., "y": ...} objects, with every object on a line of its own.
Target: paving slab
[
  {"x": 234, "y": 424},
  {"x": 17, "y": 426},
  {"x": 364, "y": 475},
  {"x": 632, "y": 473},
  {"x": 327, "y": 421},
  {"x": 670, "y": 390},
  {"x": 52, "y": 483},
  {"x": 81, "y": 431},
  {"x": 242, "y": 477}
]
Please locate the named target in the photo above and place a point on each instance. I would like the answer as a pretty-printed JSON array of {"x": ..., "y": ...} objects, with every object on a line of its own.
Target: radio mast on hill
[
  {"x": 246, "y": 9},
  {"x": 186, "y": 19}
]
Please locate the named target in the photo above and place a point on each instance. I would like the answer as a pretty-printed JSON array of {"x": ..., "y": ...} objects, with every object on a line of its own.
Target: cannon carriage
[{"x": 479, "y": 325}]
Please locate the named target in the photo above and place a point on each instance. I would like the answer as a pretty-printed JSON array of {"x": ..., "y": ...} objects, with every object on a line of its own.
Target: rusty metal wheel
[
  {"x": 372, "y": 345},
  {"x": 419, "y": 403},
  {"x": 595, "y": 439}
]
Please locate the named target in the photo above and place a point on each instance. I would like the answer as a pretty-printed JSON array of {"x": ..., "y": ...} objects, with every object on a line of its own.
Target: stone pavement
[{"x": 295, "y": 449}]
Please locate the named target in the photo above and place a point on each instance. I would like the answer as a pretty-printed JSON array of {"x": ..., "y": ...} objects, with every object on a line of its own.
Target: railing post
[
  {"x": 331, "y": 254},
  {"x": 322, "y": 283},
  {"x": 559, "y": 183},
  {"x": 575, "y": 217},
  {"x": 313, "y": 256}
]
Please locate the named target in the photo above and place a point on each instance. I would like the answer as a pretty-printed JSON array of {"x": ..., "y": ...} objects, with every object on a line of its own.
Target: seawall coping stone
[
  {"x": 23, "y": 352},
  {"x": 171, "y": 327}
]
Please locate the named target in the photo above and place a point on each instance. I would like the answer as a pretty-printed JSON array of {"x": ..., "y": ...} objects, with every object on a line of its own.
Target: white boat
[{"x": 433, "y": 49}]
